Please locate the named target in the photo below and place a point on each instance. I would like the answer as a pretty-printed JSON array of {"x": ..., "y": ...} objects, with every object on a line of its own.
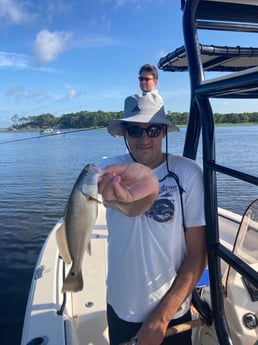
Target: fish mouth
[{"x": 96, "y": 169}]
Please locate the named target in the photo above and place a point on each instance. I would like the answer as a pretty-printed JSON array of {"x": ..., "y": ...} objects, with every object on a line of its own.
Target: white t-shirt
[
  {"x": 156, "y": 92},
  {"x": 146, "y": 251}
]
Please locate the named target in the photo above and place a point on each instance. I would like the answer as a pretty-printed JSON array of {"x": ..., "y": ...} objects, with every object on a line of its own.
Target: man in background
[{"x": 148, "y": 78}]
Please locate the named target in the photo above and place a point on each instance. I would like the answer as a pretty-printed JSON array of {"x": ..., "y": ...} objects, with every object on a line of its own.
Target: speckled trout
[{"x": 80, "y": 214}]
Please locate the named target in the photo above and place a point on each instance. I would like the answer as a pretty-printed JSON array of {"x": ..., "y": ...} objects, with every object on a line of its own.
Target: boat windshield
[
  {"x": 247, "y": 238},
  {"x": 245, "y": 248}
]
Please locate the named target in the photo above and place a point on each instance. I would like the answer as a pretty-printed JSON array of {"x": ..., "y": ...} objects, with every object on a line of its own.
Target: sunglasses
[
  {"x": 152, "y": 131},
  {"x": 145, "y": 79}
]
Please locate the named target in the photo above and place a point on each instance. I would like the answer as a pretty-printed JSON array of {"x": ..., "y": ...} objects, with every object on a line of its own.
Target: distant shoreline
[{"x": 4, "y": 130}]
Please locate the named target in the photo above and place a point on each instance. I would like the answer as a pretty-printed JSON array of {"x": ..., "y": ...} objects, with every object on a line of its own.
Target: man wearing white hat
[{"x": 155, "y": 258}]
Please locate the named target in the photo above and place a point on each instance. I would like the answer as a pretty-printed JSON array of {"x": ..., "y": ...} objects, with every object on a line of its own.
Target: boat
[
  {"x": 225, "y": 301},
  {"x": 50, "y": 131}
]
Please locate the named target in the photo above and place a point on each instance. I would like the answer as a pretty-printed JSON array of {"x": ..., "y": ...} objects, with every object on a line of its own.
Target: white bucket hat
[{"x": 143, "y": 108}]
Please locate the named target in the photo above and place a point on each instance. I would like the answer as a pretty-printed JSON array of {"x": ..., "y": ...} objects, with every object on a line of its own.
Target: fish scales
[{"x": 79, "y": 218}]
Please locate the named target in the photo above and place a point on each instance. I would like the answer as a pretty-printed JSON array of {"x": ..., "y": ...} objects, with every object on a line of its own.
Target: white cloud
[
  {"x": 49, "y": 45},
  {"x": 17, "y": 93},
  {"x": 71, "y": 94},
  {"x": 94, "y": 41},
  {"x": 13, "y": 12},
  {"x": 58, "y": 7},
  {"x": 20, "y": 94},
  {"x": 14, "y": 60}
]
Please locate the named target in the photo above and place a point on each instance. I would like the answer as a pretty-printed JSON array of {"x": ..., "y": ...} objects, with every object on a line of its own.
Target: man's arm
[
  {"x": 131, "y": 188},
  {"x": 154, "y": 328}
]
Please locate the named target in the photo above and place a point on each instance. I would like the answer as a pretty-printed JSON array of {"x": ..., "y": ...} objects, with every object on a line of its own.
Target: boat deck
[
  {"x": 83, "y": 310},
  {"x": 84, "y": 316}
]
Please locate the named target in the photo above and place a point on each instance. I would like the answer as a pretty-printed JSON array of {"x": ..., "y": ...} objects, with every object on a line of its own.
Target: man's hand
[{"x": 131, "y": 188}]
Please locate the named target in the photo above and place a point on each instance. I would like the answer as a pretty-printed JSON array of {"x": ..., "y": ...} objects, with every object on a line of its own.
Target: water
[{"x": 36, "y": 177}]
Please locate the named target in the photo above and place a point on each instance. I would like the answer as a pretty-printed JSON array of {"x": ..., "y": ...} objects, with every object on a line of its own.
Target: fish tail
[{"x": 73, "y": 282}]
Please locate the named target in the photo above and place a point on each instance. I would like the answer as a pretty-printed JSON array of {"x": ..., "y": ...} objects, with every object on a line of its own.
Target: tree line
[{"x": 98, "y": 119}]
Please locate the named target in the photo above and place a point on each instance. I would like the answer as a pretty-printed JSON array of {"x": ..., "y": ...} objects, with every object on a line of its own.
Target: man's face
[
  {"x": 147, "y": 82},
  {"x": 146, "y": 149}
]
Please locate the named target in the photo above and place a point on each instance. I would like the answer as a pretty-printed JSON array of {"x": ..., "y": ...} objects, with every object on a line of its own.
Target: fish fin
[
  {"x": 90, "y": 192},
  {"x": 62, "y": 244},
  {"x": 95, "y": 197},
  {"x": 73, "y": 282}
]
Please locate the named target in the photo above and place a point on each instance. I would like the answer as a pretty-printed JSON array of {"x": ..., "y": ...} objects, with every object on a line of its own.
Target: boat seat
[{"x": 204, "y": 280}]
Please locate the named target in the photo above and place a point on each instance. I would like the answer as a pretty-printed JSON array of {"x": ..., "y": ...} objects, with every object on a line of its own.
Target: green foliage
[
  {"x": 86, "y": 119},
  {"x": 40, "y": 121}
]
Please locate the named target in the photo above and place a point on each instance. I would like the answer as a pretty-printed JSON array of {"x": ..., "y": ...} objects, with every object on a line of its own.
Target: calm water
[{"x": 36, "y": 177}]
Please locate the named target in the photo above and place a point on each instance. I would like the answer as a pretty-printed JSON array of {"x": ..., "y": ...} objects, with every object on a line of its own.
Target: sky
[{"x": 63, "y": 56}]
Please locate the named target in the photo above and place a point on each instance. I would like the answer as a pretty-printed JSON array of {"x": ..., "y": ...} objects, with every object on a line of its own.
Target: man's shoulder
[{"x": 180, "y": 162}]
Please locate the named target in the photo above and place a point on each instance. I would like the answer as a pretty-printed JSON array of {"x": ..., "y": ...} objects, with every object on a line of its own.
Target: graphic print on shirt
[{"x": 163, "y": 208}]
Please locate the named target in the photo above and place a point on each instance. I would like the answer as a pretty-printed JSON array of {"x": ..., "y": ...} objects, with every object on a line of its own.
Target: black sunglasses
[
  {"x": 145, "y": 79},
  {"x": 152, "y": 131}
]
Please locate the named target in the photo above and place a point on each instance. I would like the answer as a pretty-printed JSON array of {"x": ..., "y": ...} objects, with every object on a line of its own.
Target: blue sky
[{"x": 61, "y": 56}]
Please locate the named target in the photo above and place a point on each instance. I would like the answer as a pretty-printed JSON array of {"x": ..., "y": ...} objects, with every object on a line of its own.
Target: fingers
[
  {"x": 109, "y": 185},
  {"x": 127, "y": 182},
  {"x": 104, "y": 181},
  {"x": 115, "y": 169},
  {"x": 128, "y": 171}
]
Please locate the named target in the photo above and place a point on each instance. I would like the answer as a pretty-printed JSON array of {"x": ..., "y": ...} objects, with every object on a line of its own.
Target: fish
[{"x": 73, "y": 237}]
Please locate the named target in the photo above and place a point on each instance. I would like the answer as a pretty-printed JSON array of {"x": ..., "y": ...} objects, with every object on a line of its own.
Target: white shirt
[{"x": 145, "y": 252}]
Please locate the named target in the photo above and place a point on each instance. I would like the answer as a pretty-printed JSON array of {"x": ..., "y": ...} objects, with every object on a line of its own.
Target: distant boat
[{"x": 50, "y": 131}]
